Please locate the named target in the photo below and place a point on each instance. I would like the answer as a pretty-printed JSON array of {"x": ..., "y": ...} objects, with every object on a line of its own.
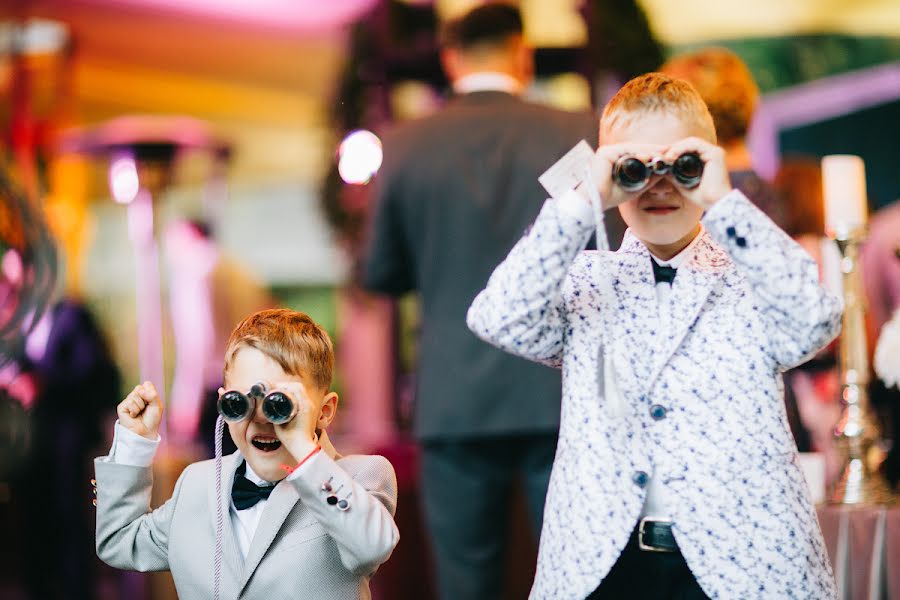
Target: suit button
[
  {"x": 640, "y": 478},
  {"x": 658, "y": 412}
]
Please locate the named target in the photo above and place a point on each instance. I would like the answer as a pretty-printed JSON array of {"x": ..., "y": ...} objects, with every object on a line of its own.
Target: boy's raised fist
[{"x": 141, "y": 411}]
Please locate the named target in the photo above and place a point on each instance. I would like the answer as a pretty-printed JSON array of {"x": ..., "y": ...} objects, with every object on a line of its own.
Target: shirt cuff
[
  {"x": 574, "y": 205},
  {"x": 131, "y": 449}
]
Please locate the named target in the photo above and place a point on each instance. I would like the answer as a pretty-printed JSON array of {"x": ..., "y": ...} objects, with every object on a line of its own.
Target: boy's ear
[{"x": 329, "y": 409}]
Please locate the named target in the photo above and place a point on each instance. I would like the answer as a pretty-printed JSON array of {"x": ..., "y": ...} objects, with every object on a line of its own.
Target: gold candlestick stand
[{"x": 857, "y": 431}]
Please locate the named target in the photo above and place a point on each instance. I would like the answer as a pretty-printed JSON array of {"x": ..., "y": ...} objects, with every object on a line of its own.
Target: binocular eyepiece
[
  {"x": 633, "y": 174},
  {"x": 277, "y": 407}
]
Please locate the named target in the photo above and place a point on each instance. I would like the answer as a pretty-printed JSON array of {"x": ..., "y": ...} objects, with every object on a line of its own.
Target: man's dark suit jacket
[{"x": 456, "y": 191}]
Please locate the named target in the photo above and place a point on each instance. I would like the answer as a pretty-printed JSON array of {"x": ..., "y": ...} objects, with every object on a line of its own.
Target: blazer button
[
  {"x": 658, "y": 412},
  {"x": 640, "y": 478}
]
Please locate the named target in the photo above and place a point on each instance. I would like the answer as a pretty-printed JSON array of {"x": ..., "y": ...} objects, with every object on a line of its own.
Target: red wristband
[{"x": 305, "y": 458}]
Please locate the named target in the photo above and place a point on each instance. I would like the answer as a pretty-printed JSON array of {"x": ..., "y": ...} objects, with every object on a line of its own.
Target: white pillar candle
[{"x": 844, "y": 191}]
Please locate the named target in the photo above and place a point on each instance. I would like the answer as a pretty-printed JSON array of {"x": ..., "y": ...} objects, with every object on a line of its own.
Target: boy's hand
[
  {"x": 715, "y": 182},
  {"x": 299, "y": 434},
  {"x": 612, "y": 195},
  {"x": 141, "y": 411}
]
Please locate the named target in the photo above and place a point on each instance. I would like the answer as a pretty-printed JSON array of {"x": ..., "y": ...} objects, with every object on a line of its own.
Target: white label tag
[{"x": 568, "y": 171}]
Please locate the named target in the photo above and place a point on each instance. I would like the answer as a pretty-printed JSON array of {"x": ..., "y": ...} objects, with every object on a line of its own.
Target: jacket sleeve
[
  {"x": 521, "y": 309},
  {"x": 130, "y": 535},
  {"x": 360, "y": 516},
  {"x": 799, "y": 314}
]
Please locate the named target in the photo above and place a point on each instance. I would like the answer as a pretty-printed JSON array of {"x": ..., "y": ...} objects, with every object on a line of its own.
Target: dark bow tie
[
  {"x": 663, "y": 273},
  {"x": 245, "y": 493}
]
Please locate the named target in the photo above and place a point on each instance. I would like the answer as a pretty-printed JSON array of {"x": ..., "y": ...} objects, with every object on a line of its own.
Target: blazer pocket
[{"x": 301, "y": 534}]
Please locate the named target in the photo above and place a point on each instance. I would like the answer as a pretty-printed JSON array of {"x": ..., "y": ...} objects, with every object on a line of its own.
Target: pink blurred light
[
  {"x": 359, "y": 156},
  {"x": 290, "y": 14},
  {"x": 123, "y": 179}
]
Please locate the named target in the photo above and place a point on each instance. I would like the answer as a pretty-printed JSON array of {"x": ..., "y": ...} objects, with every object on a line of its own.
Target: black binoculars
[
  {"x": 633, "y": 174},
  {"x": 277, "y": 407}
]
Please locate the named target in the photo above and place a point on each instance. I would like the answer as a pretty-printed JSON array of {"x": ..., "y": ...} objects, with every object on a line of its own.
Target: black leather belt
[{"x": 655, "y": 535}]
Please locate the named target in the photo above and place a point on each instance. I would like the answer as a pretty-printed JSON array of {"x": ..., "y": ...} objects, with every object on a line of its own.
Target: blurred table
[{"x": 864, "y": 548}]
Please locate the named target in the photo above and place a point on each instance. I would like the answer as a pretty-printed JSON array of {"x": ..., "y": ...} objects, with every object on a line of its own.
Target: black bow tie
[
  {"x": 663, "y": 273},
  {"x": 245, "y": 493}
]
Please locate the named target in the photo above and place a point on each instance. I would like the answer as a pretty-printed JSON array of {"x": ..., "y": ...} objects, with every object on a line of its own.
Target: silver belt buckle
[{"x": 641, "y": 543}]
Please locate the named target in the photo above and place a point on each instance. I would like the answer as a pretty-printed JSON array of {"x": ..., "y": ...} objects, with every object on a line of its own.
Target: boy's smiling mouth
[
  {"x": 660, "y": 209},
  {"x": 265, "y": 443}
]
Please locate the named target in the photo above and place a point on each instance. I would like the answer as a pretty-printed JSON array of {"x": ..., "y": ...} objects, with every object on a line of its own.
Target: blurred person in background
[
  {"x": 727, "y": 86},
  {"x": 454, "y": 194},
  {"x": 880, "y": 264},
  {"x": 58, "y": 369}
]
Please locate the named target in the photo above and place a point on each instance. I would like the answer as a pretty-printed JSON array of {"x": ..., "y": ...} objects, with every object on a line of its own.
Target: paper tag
[{"x": 568, "y": 171}]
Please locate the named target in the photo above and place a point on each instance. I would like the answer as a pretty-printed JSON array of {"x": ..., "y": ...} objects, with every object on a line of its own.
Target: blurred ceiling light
[
  {"x": 34, "y": 36},
  {"x": 123, "y": 179},
  {"x": 359, "y": 156},
  {"x": 290, "y": 14}
]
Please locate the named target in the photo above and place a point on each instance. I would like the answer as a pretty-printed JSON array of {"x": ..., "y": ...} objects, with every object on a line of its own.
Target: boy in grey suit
[
  {"x": 676, "y": 475},
  {"x": 301, "y": 521}
]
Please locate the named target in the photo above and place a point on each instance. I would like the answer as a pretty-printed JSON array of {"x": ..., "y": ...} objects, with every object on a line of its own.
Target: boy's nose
[{"x": 660, "y": 185}]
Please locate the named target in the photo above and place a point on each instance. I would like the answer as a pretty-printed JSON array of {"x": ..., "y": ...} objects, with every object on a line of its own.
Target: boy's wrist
[{"x": 301, "y": 448}]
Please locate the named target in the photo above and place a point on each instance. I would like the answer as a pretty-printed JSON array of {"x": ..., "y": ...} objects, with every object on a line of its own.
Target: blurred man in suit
[{"x": 456, "y": 191}]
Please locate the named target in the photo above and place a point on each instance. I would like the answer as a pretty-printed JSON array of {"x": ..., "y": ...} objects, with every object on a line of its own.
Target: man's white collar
[{"x": 488, "y": 81}]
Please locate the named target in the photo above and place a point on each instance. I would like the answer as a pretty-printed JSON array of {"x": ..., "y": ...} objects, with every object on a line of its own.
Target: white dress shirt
[
  {"x": 129, "y": 448},
  {"x": 656, "y": 502}
]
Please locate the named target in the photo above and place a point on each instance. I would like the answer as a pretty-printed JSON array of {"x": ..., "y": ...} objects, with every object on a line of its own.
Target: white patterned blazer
[
  {"x": 701, "y": 406},
  {"x": 303, "y": 547}
]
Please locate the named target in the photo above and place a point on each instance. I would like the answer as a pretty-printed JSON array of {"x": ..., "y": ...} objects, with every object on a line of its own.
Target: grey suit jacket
[
  {"x": 455, "y": 193},
  {"x": 302, "y": 548}
]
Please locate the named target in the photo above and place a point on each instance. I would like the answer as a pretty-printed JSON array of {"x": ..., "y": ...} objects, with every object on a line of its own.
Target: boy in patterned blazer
[
  {"x": 675, "y": 474},
  {"x": 299, "y": 519}
]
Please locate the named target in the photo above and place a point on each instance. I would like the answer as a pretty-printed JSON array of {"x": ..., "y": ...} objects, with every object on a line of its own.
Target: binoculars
[
  {"x": 633, "y": 174},
  {"x": 277, "y": 407}
]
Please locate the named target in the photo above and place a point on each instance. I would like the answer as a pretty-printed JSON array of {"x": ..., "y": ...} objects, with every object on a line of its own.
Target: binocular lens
[
  {"x": 631, "y": 173},
  {"x": 688, "y": 169},
  {"x": 278, "y": 408},
  {"x": 234, "y": 406}
]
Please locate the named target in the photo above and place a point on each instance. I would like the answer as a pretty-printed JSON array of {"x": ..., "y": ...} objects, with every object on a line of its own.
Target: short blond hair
[
  {"x": 725, "y": 84},
  {"x": 292, "y": 339},
  {"x": 656, "y": 92}
]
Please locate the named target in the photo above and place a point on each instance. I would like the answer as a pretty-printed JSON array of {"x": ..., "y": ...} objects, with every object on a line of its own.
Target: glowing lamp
[{"x": 359, "y": 157}]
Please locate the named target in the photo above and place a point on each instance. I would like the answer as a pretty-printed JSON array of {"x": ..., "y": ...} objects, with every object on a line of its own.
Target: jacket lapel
[
  {"x": 231, "y": 554},
  {"x": 635, "y": 319},
  {"x": 696, "y": 278},
  {"x": 279, "y": 505},
  {"x": 645, "y": 333}
]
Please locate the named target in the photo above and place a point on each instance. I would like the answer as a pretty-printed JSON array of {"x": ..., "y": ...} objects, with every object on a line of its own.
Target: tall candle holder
[{"x": 857, "y": 431}]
